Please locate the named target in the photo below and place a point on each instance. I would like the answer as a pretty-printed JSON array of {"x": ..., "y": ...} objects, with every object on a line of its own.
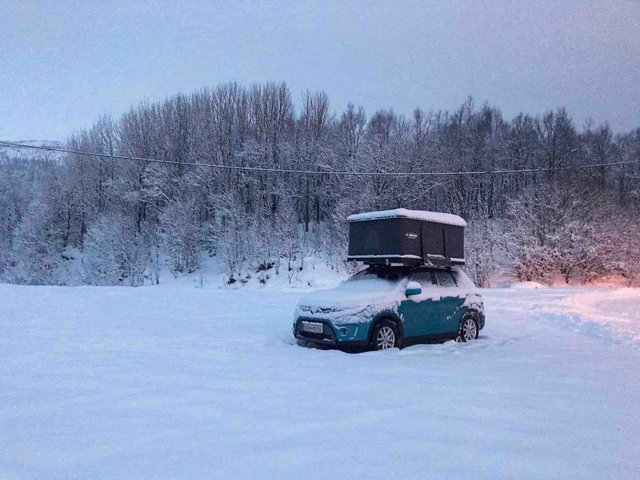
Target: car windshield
[{"x": 375, "y": 280}]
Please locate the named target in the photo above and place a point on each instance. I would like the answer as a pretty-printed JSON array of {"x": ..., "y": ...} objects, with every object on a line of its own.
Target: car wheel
[
  {"x": 385, "y": 336},
  {"x": 468, "y": 329}
]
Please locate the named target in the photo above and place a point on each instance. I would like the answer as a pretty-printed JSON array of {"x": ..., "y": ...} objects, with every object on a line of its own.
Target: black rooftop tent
[{"x": 406, "y": 237}]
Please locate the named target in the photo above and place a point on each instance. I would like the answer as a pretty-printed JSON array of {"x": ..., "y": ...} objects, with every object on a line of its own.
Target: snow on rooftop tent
[{"x": 406, "y": 237}]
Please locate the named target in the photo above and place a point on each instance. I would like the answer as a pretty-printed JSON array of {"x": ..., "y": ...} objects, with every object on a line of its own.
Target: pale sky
[{"x": 63, "y": 63}]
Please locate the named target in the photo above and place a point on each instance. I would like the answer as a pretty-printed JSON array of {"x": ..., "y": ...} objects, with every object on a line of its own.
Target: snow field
[{"x": 180, "y": 382}]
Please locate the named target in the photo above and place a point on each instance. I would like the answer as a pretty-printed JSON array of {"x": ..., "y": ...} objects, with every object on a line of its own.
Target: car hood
[{"x": 349, "y": 303}]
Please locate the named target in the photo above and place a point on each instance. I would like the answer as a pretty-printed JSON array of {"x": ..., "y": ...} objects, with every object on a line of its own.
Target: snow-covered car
[{"x": 386, "y": 307}]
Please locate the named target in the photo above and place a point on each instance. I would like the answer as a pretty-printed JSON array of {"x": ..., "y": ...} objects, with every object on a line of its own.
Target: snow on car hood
[{"x": 353, "y": 301}]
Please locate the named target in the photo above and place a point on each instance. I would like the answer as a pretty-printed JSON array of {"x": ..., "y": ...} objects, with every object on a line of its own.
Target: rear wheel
[
  {"x": 385, "y": 335},
  {"x": 468, "y": 329}
]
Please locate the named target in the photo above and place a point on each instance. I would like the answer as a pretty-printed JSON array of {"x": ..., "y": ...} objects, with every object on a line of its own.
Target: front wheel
[
  {"x": 385, "y": 336},
  {"x": 468, "y": 329}
]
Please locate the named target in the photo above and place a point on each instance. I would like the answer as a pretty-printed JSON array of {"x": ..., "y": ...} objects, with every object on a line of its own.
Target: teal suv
[{"x": 386, "y": 307}]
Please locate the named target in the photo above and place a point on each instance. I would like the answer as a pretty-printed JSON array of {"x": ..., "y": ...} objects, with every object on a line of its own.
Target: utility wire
[{"x": 4, "y": 143}]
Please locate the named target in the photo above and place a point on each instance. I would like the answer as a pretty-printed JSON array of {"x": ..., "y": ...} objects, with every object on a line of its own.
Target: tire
[
  {"x": 385, "y": 335},
  {"x": 468, "y": 328}
]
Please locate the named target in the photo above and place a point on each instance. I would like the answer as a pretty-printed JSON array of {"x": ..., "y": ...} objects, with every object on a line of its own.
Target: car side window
[
  {"x": 445, "y": 279},
  {"x": 424, "y": 278}
]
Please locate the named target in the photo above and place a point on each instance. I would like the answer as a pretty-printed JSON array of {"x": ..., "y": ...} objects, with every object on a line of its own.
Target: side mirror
[{"x": 413, "y": 288}]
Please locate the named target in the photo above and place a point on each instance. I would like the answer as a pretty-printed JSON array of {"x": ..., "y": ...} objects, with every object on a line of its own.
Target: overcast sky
[{"x": 64, "y": 63}]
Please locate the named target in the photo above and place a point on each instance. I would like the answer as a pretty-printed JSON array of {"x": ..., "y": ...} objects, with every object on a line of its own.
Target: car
[{"x": 392, "y": 307}]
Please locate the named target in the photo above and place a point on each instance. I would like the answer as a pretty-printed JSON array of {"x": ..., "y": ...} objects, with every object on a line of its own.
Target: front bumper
[{"x": 336, "y": 336}]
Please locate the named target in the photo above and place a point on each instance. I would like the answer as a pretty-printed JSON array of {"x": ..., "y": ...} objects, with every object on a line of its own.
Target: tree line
[{"x": 97, "y": 220}]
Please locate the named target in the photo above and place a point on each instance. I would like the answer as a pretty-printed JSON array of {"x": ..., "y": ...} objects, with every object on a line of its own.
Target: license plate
[{"x": 312, "y": 327}]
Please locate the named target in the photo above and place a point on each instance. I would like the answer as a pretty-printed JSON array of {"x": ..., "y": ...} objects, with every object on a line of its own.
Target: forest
[{"x": 247, "y": 178}]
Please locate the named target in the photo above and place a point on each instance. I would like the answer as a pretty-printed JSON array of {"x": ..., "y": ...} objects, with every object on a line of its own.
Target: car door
[
  {"x": 419, "y": 312},
  {"x": 448, "y": 308}
]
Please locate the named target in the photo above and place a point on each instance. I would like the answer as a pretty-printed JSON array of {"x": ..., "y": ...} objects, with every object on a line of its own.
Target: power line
[{"x": 313, "y": 172}]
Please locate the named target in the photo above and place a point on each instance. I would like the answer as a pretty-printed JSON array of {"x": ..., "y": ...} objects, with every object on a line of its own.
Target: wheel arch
[
  {"x": 386, "y": 316},
  {"x": 474, "y": 315},
  {"x": 479, "y": 316}
]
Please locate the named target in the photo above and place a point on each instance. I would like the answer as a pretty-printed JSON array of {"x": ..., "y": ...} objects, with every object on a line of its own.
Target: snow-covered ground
[
  {"x": 180, "y": 382},
  {"x": 610, "y": 313}
]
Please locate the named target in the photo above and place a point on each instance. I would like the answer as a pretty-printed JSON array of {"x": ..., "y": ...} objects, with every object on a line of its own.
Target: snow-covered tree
[{"x": 123, "y": 216}]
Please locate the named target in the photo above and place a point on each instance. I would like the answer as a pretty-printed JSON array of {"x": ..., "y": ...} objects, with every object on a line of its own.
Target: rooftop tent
[{"x": 406, "y": 237}]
